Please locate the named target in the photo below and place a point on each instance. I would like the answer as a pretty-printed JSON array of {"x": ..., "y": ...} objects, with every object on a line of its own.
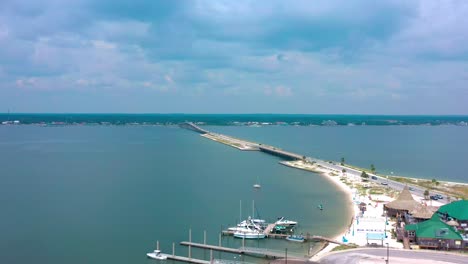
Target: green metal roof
[
  {"x": 434, "y": 228},
  {"x": 458, "y": 209}
]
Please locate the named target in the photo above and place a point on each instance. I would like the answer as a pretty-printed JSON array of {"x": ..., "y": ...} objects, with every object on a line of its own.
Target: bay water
[
  {"x": 96, "y": 194},
  {"x": 105, "y": 194}
]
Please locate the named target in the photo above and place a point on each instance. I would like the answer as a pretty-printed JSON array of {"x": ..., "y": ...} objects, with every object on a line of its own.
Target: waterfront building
[
  {"x": 446, "y": 229},
  {"x": 435, "y": 234},
  {"x": 457, "y": 211},
  {"x": 420, "y": 213},
  {"x": 402, "y": 205},
  {"x": 456, "y": 215}
]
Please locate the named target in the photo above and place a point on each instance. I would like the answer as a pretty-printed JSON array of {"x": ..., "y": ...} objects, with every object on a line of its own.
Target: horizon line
[{"x": 181, "y": 113}]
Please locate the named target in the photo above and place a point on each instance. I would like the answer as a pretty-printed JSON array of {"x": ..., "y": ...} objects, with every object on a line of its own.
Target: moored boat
[
  {"x": 295, "y": 238},
  {"x": 283, "y": 222},
  {"x": 249, "y": 234},
  {"x": 156, "y": 254}
]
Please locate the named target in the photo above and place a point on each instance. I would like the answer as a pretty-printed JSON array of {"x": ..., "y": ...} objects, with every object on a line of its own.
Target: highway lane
[{"x": 384, "y": 181}]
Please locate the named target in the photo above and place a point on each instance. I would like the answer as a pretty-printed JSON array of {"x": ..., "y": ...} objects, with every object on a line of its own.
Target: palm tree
[
  {"x": 426, "y": 194},
  {"x": 342, "y": 161},
  {"x": 372, "y": 168}
]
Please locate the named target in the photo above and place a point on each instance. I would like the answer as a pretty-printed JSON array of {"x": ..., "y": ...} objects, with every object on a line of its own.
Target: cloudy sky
[{"x": 207, "y": 56}]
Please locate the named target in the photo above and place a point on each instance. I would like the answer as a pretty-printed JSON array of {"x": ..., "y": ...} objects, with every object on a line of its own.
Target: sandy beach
[
  {"x": 327, "y": 173},
  {"x": 373, "y": 212}
]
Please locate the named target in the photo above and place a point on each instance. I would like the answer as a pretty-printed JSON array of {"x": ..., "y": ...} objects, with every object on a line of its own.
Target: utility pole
[
  {"x": 387, "y": 261},
  {"x": 286, "y": 256}
]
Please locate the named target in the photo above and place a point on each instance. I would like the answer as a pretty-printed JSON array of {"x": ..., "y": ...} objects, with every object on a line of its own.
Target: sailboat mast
[
  {"x": 240, "y": 211},
  {"x": 253, "y": 209}
]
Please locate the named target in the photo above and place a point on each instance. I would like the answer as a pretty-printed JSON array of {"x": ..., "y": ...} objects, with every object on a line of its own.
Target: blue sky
[{"x": 206, "y": 56}]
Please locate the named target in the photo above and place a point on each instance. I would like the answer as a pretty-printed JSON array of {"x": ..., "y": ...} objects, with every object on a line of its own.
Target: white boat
[
  {"x": 284, "y": 222},
  {"x": 241, "y": 228},
  {"x": 258, "y": 221},
  {"x": 156, "y": 254},
  {"x": 249, "y": 234},
  {"x": 295, "y": 238},
  {"x": 251, "y": 224},
  {"x": 257, "y": 186}
]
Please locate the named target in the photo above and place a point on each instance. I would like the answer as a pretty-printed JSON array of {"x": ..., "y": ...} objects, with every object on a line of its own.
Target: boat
[
  {"x": 284, "y": 222},
  {"x": 156, "y": 254},
  {"x": 252, "y": 224},
  {"x": 295, "y": 238},
  {"x": 257, "y": 185},
  {"x": 320, "y": 206},
  {"x": 249, "y": 234}
]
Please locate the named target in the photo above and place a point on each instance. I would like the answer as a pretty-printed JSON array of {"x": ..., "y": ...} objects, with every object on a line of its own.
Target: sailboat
[{"x": 257, "y": 185}]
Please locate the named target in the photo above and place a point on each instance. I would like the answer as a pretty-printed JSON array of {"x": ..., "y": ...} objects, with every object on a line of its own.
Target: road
[
  {"x": 378, "y": 255},
  {"x": 419, "y": 191}
]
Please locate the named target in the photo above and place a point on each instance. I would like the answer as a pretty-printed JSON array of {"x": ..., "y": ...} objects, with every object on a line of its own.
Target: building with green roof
[
  {"x": 456, "y": 210},
  {"x": 436, "y": 234}
]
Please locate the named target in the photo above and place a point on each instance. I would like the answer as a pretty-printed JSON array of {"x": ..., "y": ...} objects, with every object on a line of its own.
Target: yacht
[
  {"x": 156, "y": 254},
  {"x": 249, "y": 234},
  {"x": 253, "y": 224},
  {"x": 284, "y": 222}
]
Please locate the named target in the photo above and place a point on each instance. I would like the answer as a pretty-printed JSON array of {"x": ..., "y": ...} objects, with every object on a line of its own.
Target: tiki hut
[
  {"x": 405, "y": 203},
  {"x": 421, "y": 213}
]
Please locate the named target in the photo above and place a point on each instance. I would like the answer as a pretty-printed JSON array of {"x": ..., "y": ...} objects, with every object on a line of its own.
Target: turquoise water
[
  {"x": 105, "y": 194},
  {"x": 96, "y": 194},
  {"x": 429, "y": 152}
]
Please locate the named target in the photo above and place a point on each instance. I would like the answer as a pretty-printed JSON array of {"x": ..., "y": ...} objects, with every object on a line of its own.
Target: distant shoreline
[{"x": 253, "y": 120}]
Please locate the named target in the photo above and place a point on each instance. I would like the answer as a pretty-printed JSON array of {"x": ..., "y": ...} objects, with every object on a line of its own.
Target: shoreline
[{"x": 349, "y": 191}]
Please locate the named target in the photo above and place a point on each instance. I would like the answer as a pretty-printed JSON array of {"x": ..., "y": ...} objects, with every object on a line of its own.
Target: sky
[{"x": 207, "y": 56}]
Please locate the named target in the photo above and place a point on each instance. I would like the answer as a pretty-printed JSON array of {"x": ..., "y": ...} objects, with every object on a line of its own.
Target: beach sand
[{"x": 374, "y": 210}]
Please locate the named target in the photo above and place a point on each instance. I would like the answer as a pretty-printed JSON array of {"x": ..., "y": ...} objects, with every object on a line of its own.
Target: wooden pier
[
  {"x": 269, "y": 229},
  {"x": 185, "y": 259},
  {"x": 322, "y": 238},
  {"x": 264, "y": 252},
  {"x": 217, "y": 248}
]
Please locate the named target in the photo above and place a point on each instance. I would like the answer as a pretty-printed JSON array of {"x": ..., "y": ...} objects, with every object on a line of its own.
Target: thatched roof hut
[
  {"x": 421, "y": 212},
  {"x": 404, "y": 202}
]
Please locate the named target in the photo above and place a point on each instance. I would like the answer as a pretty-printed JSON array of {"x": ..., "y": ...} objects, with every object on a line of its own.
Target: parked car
[
  {"x": 433, "y": 197},
  {"x": 439, "y": 196},
  {"x": 384, "y": 183},
  {"x": 374, "y": 177},
  {"x": 411, "y": 188}
]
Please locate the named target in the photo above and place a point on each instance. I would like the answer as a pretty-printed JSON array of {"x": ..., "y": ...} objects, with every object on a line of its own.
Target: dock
[
  {"x": 185, "y": 259},
  {"x": 201, "y": 261},
  {"x": 268, "y": 232},
  {"x": 322, "y": 238},
  {"x": 264, "y": 252}
]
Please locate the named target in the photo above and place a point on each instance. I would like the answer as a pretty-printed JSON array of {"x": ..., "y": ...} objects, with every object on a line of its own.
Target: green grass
[
  {"x": 460, "y": 191},
  {"x": 344, "y": 247}
]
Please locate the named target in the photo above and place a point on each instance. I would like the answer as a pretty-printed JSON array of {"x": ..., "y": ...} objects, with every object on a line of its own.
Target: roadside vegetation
[
  {"x": 453, "y": 189},
  {"x": 344, "y": 247}
]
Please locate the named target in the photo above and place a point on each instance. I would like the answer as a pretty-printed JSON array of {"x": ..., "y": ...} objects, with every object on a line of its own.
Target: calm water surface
[
  {"x": 429, "y": 152},
  {"x": 106, "y": 194}
]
